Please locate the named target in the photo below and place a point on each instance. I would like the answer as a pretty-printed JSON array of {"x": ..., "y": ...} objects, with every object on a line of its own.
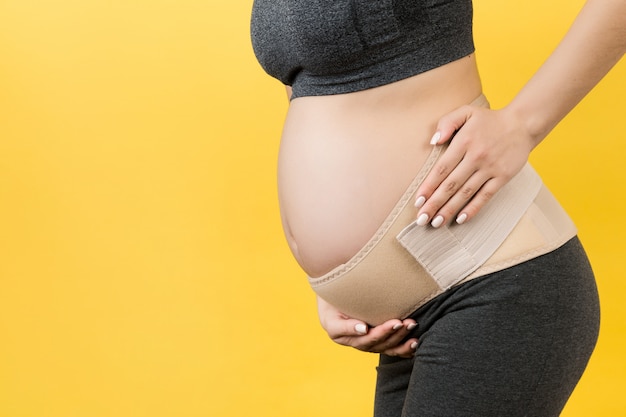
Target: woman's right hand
[{"x": 387, "y": 338}]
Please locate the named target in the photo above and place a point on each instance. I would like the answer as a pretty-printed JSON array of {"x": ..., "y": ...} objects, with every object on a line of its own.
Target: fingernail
[
  {"x": 411, "y": 326},
  {"x": 422, "y": 219},
  {"x": 420, "y": 201},
  {"x": 360, "y": 328},
  {"x": 461, "y": 219},
  {"x": 414, "y": 345},
  {"x": 437, "y": 221},
  {"x": 435, "y": 138},
  {"x": 397, "y": 326}
]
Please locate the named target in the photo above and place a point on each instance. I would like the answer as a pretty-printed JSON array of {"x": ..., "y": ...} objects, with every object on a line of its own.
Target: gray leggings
[{"x": 512, "y": 343}]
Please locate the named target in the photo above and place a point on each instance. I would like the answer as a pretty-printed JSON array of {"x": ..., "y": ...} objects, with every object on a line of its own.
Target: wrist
[{"x": 530, "y": 119}]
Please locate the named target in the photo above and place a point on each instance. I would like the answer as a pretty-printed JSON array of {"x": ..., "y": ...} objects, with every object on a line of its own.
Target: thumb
[
  {"x": 346, "y": 328},
  {"x": 449, "y": 124}
]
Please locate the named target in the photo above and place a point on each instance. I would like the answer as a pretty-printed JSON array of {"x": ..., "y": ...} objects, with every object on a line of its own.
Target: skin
[
  {"x": 385, "y": 338},
  {"x": 343, "y": 164},
  {"x": 489, "y": 148}
]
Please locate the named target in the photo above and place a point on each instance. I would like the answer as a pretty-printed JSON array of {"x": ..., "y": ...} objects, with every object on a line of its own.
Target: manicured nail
[
  {"x": 437, "y": 221},
  {"x": 411, "y": 326},
  {"x": 420, "y": 201},
  {"x": 414, "y": 345},
  {"x": 461, "y": 219},
  {"x": 361, "y": 328},
  {"x": 422, "y": 219},
  {"x": 435, "y": 138},
  {"x": 397, "y": 326}
]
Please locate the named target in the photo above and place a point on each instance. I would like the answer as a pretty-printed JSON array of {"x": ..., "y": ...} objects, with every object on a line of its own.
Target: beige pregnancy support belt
[{"x": 404, "y": 265}]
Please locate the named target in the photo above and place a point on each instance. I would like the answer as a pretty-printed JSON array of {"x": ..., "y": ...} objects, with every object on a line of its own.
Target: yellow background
[{"x": 143, "y": 270}]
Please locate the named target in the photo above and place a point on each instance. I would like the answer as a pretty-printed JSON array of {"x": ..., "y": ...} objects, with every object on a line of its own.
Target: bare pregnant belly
[{"x": 346, "y": 159}]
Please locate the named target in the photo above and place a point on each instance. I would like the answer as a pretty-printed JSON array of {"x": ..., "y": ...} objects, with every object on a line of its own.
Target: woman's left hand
[
  {"x": 487, "y": 148},
  {"x": 389, "y": 338}
]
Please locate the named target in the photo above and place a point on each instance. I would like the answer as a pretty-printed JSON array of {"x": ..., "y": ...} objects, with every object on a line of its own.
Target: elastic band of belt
[{"x": 454, "y": 251}]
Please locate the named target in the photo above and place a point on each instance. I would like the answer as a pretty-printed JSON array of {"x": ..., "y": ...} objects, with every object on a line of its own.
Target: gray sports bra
[{"x": 322, "y": 47}]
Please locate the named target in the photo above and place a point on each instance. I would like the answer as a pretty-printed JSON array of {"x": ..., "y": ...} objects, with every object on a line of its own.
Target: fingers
[
  {"x": 388, "y": 338},
  {"x": 404, "y": 350},
  {"x": 485, "y": 154},
  {"x": 471, "y": 206},
  {"x": 459, "y": 197},
  {"x": 444, "y": 191},
  {"x": 460, "y": 185},
  {"x": 343, "y": 328},
  {"x": 450, "y": 173},
  {"x": 450, "y": 124}
]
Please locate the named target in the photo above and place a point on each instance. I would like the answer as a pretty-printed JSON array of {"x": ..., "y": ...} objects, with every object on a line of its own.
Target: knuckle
[
  {"x": 502, "y": 170},
  {"x": 486, "y": 195},
  {"x": 442, "y": 170},
  {"x": 466, "y": 192},
  {"x": 480, "y": 155},
  {"x": 450, "y": 186}
]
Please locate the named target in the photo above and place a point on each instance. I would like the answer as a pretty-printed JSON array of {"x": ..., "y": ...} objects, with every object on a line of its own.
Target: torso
[{"x": 346, "y": 159}]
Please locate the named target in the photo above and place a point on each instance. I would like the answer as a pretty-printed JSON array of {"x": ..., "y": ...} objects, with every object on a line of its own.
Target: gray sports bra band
[{"x": 322, "y": 47}]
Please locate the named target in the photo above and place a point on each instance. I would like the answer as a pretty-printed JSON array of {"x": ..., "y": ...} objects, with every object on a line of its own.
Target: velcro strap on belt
[{"x": 455, "y": 251}]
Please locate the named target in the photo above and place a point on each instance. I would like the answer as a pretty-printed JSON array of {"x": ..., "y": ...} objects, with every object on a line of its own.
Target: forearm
[
  {"x": 593, "y": 45},
  {"x": 490, "y": 147}
]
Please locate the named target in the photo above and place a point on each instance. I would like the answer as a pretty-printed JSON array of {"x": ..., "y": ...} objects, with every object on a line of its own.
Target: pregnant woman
[{"x": 411, "y": 206}]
